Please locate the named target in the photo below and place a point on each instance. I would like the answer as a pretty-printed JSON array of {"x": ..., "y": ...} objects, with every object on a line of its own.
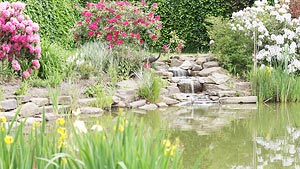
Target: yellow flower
[
  {"x": 121, "y": 128},
  {"x": 166, "y": 143},
  {"x": 63, "y": 137},
  {"x": 173, "y": 148},
  {"x": 60, "y": 121},
  {"x": 2, "y": 128},
  {"x": 61, "y": 130},
  {"x": 64, "y": 161},
  {"x": 104, "y": 138},
  {"x": 3, "y": 119},
  {"x": 36, "y": 124},
  {"x": 8, "y": 139},
  {"x": 268, "y": 69}
]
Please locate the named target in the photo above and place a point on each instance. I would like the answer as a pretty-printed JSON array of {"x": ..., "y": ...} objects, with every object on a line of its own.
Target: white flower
[
  {"x": 77, "y": 112},
  {"x": 80, "y": 126},
  {"x": 293, "y": 47},
  {"x": 282, "y": 10},
  {"x": 97, "y": 128},
  {"x": 79, "y": 62},
  {"x": 233, "y": 28}
]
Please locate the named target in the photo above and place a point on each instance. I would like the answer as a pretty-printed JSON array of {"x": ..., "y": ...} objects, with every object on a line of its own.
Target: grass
[{"x": 112, "y": 142}]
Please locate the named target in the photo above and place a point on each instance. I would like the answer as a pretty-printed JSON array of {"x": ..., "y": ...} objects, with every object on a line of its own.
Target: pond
[{"x": 235, "y": 136}]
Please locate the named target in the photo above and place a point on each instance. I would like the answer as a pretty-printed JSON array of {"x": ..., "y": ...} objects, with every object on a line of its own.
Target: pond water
[{"x": 235, "y": 136}]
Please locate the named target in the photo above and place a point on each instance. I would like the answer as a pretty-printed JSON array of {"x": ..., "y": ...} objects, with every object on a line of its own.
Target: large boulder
[{"x": 9, "y": 104}]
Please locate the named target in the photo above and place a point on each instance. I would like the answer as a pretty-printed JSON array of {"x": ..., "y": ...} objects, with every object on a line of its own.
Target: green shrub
[
  {"x": 103, "y": 96},
  {"x": 55, "y": 19},
  {"x": 150, "y": 86},
  {"x": 233, "y": 49}
]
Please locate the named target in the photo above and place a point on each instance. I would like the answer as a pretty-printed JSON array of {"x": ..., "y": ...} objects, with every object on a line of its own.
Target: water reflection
[{"x": 236, "y": 136}]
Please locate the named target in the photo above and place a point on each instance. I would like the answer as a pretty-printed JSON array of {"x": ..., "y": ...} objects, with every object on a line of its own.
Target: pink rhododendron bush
[
  {"x": 118, "y": 22},
  {"x": 276, "y": 35},
  {"x": 20, "y": 41}
]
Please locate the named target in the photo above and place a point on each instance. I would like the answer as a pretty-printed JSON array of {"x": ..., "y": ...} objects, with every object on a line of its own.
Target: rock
[
  {"x": 138, "y": 103},
  {"x": 30, "y": 120},
  {"x": 64, "y": 100},
  {"x": 20, "y": 98},
  {"x": 189, "y": 86},
  {"x": 186, "y": 65},
  {"x": 227, "y": 93},
  {"x": 205, "y": 80},
  {"x": 148, "y": 107},
  {"x": 214, "y": 98},
  {"x": 127, "y": 84},
  {"x": 40, "y": 101},
  {"x": 219, "y": 78},
  {"x": 210, "y": 64},
  {"x": 91, "y": 110},
  {"x": 169, "y": 101},
  {"x": 128, "y": 95},
  {"x": 196, "y": 67},
  {"x": 173, "y": 89},
  {"x": 214, "y": 87},
  {"x": 8, "y": 115},
  {"x": 86, "y": 101},
  {"x": 121, "y": 104},
  {"x": 9, "y": 104},
  {"x": 61, "y": 109},
  {"x": 29, "y": 109},
  {"x": 164, "y": 91},
  {"x": 161, "y": 104},
  {"x": 165, "y": 74},
  {"x": 239, "y": 100},
  {"x": 243, "y": 85},
  {"x": 51, "y": 116},
  {"x": 209, "y": 71},
  {"x": 178, "y": 72},
  {"x": 175, "y": 62},
  {"x": 200, "y": 60}
]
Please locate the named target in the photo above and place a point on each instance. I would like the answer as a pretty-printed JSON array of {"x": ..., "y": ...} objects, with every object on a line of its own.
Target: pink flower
[
  {"x": 35, "y": 27},
  {"x": 110, "y": 46},
  {"x": 25, "y": 74},
  {"x": 93, "y": 26},
  {"x": 126, "y": 23},
  {"x": 35, "y": 64},
  {"x": 79, "y": 23},
  {"x": 18, "y": 5},
  {"x": 29, "y": 30},
  {"x": 123, "y": 34},
  {"x": 87, "y": 19},
  {"x": 100, "y": 5},
  {"x": 6, "y": 47},
  {"x": 38, "y": 49},
  {"x": 108, "y": 37},
  {"x": 154, "y": 5},
  {"x": 91, "y": 33},
  {"x": 86, "y": 13},
  {"x": 118, "y": 16},
  {"x": 20, "y": 18},
  {"x": 154, "y": 36},
  {"x": 179, "y": 46},
  {"x": 16, "y": 65},
  {"x": 119, "y": 42},
  {"x": 157, "y": 17},
  {"x": 147, "y": 66},
  {"x": 30, "y": 71},
  {"x": 165, "y": 47},
  {"x": 143, "y": 2},
  {"x": 112, "y": 20}
]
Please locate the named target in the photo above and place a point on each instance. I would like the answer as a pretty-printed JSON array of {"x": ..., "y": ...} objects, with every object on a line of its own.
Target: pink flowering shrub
[
  {"x": 118, "y": 23},
  {"x": 20, "y": 41}
]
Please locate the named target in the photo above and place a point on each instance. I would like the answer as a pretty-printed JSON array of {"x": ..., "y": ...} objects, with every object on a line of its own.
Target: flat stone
[
  {"x": 64, "y": 100},
  {"x": 210, "y": 64},
  {"x": 121, "y": 104},
  {"x": 175, "y": 62},
  {"x": 40, "y": 101},
  {"x": 243, "y": 85},
  {"x": 20, "y": 98},
  {"x": 161, "y": 104},
  {"x": 200, "y": 60},
  {"x": 8, "y": 115},
  {"x": 214, "y": 98},
  {"x": 86, "y": 101},
  {"x": 205, "y": 80},
  {"x": 173, "y": 89},
  {"x": 196, "y": 67},
  {"x": 209, "y": 87},
  {"x": 239, "y": 100},
  {"x": 189, "y": 86},
  {"x": 227, "y": 93},
  {"x": 148, "y": 107},
  {"x": 91, "y": 110},
  {"x": 138, "y": 103},
  {"x": 219, "y": 78},
  {"x": 169, "y": 101},
  {"x": 209, "y": 71},
  {"x": 51, "y": 116},
  {"x": 30, "y": 120},
  {"x": 186, "y": 65},
  {"x": 9, "y": 104},
  {"x": 29, "y": 109},
  {"x": 61, "y": 109},
  {"x": 164, "y": 91},
  {"x": 128, "y": 84},
  {"x": 128, "y": 95}
]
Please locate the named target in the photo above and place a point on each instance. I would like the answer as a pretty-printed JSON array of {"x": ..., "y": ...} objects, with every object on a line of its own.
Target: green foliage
[
  {"x": 103, "y": 97},
  {"x": 233, "y": 49},
  {"x": 6, "y": 72},
  {"x": 275, "y": 85},
  {"x": 55, "y": 19},
  {"x": 150, "y": 86},
  {"x": 22, "y": 89},
  {"x": 187, "y": 18},
  {"x": 54, "y": 67}
]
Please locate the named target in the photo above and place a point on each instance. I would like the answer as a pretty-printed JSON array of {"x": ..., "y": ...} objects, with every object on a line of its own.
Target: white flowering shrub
[{"x": 273, "y": 32}]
